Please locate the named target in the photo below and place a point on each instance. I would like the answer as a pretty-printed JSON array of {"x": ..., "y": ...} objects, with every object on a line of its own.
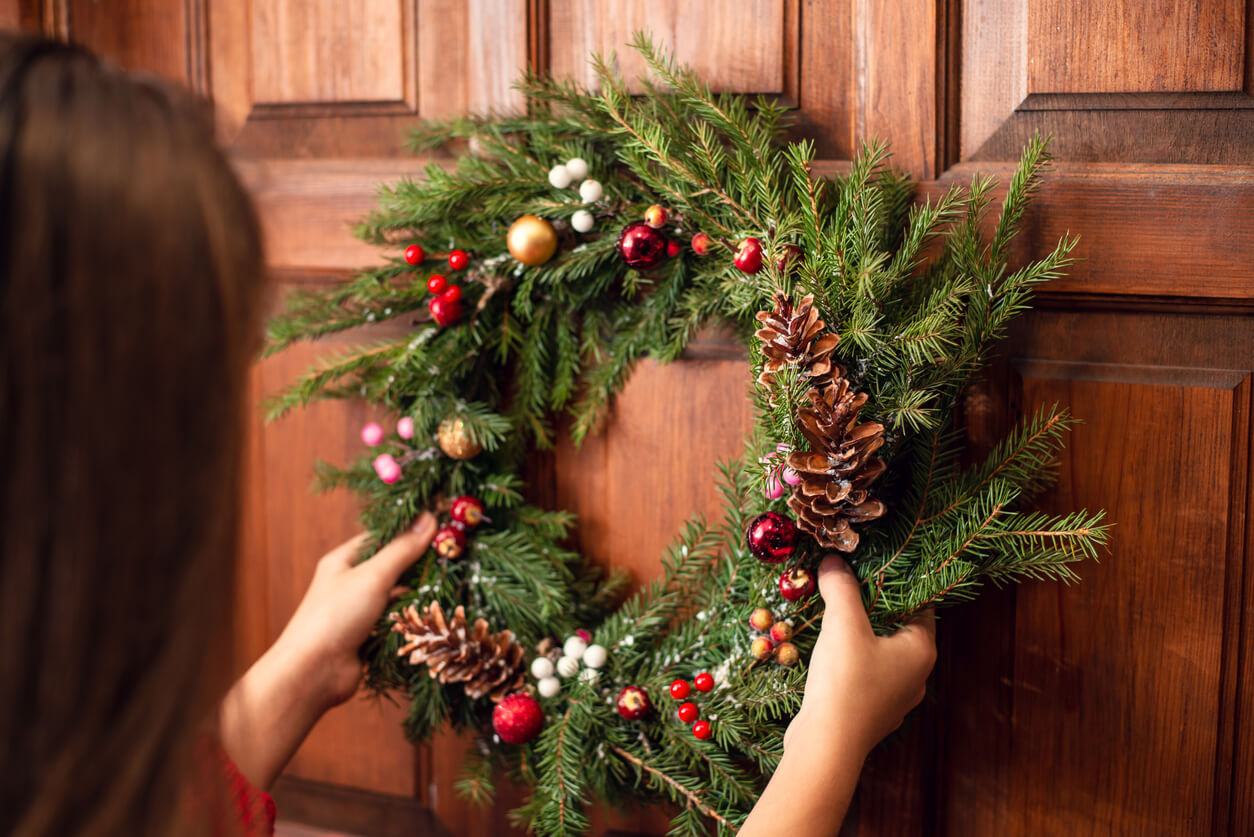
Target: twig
[{"x": 692, "y": 798}]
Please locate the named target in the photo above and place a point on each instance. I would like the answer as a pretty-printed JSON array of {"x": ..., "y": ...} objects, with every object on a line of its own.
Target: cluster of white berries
[
  {"x": 576, "y": 650},
  {"x": 572, "y": 171}
]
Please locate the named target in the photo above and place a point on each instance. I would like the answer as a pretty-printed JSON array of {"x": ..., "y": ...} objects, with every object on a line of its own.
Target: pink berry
[
  {"x": 791, "y": 477},
  {"x": 584, "y": 634},
  {"x": 372, "y": 434},
  {"x": 405, "y": 428},
  {"x": 388, "y": 469},
  {"x": 774, "y": 489}
]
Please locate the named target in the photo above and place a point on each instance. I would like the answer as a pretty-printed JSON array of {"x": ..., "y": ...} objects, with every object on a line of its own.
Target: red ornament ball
[
  {"x": 450, "y": 542},
  {"x": 688, "y": 712},
  {"x": 458, "y": 259},
  {"x": 467, "y": 510},
  {"x": 772, "y": 537},
  {"x": 703, "y": 681},
  {"x": 749, "y": 256},
  {"x": 444, "y": 312},
  {"x": 453, "y": 293},
  {"x": 641, "y": 246},
  {"x": 702, "y": 730},
  {"x": 797, "y": 584},
  {"x": 414, "y": 254},
  {"x": 437, "y": 283},
  {"x": 633, "y": 703},
  {"x": 680, "y": 689},
  {"x": 518, "y": 719}
]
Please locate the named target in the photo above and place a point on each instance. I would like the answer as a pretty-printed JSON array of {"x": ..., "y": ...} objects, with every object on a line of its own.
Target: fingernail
[
  {"x": 425, "y": 521},
  {"x": 839, "y": 564}
]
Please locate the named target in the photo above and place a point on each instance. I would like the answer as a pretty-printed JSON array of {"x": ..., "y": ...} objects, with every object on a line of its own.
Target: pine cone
[
  {"x": 489, "y": 664},
  {"x": 837, "y": 471},
  {"x": 788, "y": 336}
]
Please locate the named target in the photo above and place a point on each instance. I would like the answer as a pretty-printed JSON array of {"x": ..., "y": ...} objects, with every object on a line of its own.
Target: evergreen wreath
[{"x": 598, "y": 228}]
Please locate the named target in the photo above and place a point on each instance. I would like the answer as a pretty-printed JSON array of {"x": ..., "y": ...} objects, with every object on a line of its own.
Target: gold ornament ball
[
  {"x": 532, "y": 240},
  {"x": 455, "y": 441}
]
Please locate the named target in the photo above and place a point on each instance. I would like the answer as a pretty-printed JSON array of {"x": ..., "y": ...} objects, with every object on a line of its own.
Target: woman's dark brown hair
[{"x": 130, "y": 265}]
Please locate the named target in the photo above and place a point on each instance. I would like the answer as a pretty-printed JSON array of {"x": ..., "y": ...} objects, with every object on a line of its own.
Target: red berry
[
  {"x": 450, "y": 542},
  {"x": 701, "y": 244},
  {"x": 688, "y": 712},
  {"x": 633, "y": 703},
  {"x": 655, "y": 216},
  {"x": 673, "y": 249},
  {"x": 797, "y": 584},
  {"x": 444, "y": 312},
  {"x": 749, "y": 255},
  {"x": 680, "y": 689},
  {"x": 414, "y": 254},
  {"x": 790, "y": 255},
  {"x": 761, "y": 647},
  {"x": 437, "y": 283},
  {"x": 458, "y": 259},
  {"x": 701, "y": 729},
  {"x": 453, "y": 293},
  {"x": 703, "y": 681},
  {"x": 467, "y": 511},
  {"x": 517, "y": 719}
]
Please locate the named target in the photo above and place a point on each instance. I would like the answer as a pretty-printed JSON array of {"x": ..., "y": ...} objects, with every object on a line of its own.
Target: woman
[{"x": 131, "y": 271}]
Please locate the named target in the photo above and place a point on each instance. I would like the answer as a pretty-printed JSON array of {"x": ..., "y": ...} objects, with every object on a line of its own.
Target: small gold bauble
[
  {"x": 455, "y": 441},
  {"x": 532, "y": 240}
]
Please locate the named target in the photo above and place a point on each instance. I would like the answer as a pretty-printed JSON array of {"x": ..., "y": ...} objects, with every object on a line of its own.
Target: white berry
[
  {"x": 578, "y": 167},
  {"x": 559, "y": 176},
  {"x": 567, "y": 666},
  {"x": 589, "y": 675},
  {"x": 549, "y": 686},
  {"x": 541, "y": 667},
  {"x": 574, "y": 647},
  {"x": 595, "y": 656},
  {"x": 590, "y": 191},
  {"x": 582, "y": 221}
]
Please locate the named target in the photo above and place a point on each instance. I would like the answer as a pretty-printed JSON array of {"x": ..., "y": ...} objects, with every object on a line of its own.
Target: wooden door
[{"x": 1119, "y": 705}]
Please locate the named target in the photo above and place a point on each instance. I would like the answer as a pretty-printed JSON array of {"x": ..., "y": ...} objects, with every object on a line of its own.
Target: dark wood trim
[
  {"x": 356, "y": 811},
  {"x": 196, "y": 15},
  {"x": 538, "y": 36},
  {"x": 1231, "y": 100},
  {"x": 323, "y": 110}
]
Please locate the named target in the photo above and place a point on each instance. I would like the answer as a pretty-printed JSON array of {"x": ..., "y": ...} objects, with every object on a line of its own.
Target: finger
[
  {"x": 344, "y": 555},
  {"x": 406, "y": 548},
  {"x": 842, "y": 596},
  {"x": 917, "y": 640}
]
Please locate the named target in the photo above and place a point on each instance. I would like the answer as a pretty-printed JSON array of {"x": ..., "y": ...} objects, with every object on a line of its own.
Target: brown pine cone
[
  {"x": 488, "y": 664},
  {"x": 838, "y": 469},
  {"x": 794, "y": 334}
]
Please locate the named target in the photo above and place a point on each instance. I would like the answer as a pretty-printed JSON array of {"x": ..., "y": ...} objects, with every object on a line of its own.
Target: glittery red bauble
[
  {"x": 688, "y": 712},
  {"x": 517, "y": 719},
  {"x": 467, "y": 510},
  {"x": 633, "y": 703},
  {"x": 797, "y": 584},
  {"x": 458, "y": 259},
  {"x": 444, "y": 312},
  {"x": 414, "y": 254},
  {"x": 703, "y": 681},
  {"x": 772, "y": 537},
  {"x": 641, "y": 246},
  {"x": 680, "y": 689},
  {"x": 450, "y": 541},
  {"x": 701, "y": 729}
]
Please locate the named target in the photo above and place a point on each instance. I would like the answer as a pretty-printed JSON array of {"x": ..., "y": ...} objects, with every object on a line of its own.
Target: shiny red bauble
[
  {"x": 449, "y": 542},
  {"x": 771, "y": 537},
  {"x": 467, "y": 510},
  {"x": 797, "y": 584},
  {"x": 688, "y": 712},
  {"x": 749, "y": 256},
  {"x": 414, "y": 254},
  {"x": 641, "y": 246},
  {"x": 458, "y": 259},
  {"x": 703, "y": 681},
  {"x": 453, "y": 293},
  {"x": 702, "y": 730},
  {"x": 680, "y": 689},
  {"x": 437, "y": 283},
  {"x": 633, "y": 703},
  {"x": 444, "y": 312},
  {"x": 518, "y": 719}
]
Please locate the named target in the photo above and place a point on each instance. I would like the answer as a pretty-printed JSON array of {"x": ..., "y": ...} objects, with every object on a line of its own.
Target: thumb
[
  {"x": 842, "y": 596},
  {"x": 388, "y": 563}
]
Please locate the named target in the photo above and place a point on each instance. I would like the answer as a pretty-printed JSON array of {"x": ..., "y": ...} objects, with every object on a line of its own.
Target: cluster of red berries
[
  {"x": 688, "y": 711},
  {"x": 450, "y": 539},
  {"x": 775, "y": 640},
  {"x": 446, "y": 304}
]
